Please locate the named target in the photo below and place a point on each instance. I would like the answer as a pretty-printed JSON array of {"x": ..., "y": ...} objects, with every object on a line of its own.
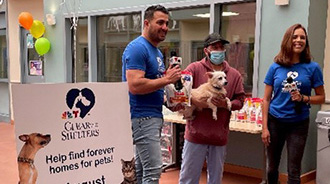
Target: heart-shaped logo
[
  {"x": 81, "y": 99},
  {"x": 293, "y": 75}
]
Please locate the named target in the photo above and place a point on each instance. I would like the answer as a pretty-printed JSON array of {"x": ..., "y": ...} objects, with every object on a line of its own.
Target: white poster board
[{"x": 89, "y": 125}]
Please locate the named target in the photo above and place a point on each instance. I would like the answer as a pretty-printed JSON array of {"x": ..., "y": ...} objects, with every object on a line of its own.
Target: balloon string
[
  {"x": 75, "y": 52},
  {"x": 74, "y": 25}
]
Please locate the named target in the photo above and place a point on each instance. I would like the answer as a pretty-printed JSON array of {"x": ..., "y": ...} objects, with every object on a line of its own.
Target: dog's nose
[{"x": 226, "y": 83}]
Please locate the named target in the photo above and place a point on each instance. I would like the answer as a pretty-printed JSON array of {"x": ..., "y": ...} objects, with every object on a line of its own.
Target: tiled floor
[
  {"x": 8, "y": 165},
  {"x": 9, "y": 172}
]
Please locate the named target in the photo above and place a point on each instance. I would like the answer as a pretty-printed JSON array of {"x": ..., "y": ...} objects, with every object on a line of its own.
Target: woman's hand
[
  {"x": 265, "y": 136},
  {"x": 296, "y": 96}
]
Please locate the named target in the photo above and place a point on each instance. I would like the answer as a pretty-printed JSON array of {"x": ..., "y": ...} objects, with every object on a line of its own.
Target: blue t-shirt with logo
[
  {"x": 305, "y": 77},
  {"x": 140, "y": 54}
]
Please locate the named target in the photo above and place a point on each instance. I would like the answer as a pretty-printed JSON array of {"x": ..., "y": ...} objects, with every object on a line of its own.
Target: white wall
[
  {"x": 326, "y": 67},
  {"x": 15, "y": 7}
]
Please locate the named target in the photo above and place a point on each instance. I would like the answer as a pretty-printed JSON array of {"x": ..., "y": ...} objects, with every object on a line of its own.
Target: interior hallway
[{"x": 9, "y": 172}]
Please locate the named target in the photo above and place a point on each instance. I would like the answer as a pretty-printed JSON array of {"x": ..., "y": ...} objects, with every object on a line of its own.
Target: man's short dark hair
[{"x": 149, "y": 13}]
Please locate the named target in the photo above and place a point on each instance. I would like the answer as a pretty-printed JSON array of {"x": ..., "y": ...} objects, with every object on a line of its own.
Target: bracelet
[
  {"x": 302, "y": 98},
  {"x": 309, "y": 99}
]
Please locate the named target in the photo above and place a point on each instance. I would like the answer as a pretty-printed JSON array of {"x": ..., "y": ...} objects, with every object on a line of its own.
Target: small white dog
[{"x": 213, "y": 88}]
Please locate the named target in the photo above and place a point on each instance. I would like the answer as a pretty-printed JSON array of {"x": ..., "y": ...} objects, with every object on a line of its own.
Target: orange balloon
[{"x": 25, "y": 19}]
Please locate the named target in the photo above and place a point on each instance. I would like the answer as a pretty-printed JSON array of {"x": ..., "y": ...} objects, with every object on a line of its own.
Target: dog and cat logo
[
  {"x": 161, "y": 67},
  {"x": 80, "y": 102}
]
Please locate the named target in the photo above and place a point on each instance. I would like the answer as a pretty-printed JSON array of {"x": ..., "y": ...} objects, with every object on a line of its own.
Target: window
[
  {"x": 81, "y": 65},
  {"x": 187, "y": 30},
  {"x": 188, "y": 27},
  {"x": 3, "y": 55},
  {"x": 238, "y": 27},
  {"x": 113, "y": 34}
]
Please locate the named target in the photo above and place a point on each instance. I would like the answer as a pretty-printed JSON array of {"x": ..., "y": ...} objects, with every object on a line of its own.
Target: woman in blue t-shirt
[{"x": 288, "y": 85}]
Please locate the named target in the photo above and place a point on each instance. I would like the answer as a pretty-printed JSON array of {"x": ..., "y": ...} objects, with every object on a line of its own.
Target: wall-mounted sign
[
  {"x": 281, "y": 2},
  {"x": 29, "y": 41}
]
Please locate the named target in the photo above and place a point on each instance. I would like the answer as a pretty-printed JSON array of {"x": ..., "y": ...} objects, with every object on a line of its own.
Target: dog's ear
[
  {"x": 24, "y": 138},
  {"x": 209, "y": 74}
]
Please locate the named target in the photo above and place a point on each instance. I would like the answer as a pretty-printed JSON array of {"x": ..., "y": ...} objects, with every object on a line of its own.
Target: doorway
[{"x": 31, "y": 63}]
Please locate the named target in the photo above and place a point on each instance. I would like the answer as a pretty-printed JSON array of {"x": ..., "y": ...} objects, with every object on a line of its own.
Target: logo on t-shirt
[
  {"x": 293, "y": 75},
  {"x": 290, "y": 84},
  {"x": 161, "y": 67}
]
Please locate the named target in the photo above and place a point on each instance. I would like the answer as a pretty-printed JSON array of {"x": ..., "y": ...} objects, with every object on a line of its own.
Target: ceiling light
[
  {"x": 229, "y": 14},
  {"x": 202, "y": 15},
  {"x": 207, "y": 15}
]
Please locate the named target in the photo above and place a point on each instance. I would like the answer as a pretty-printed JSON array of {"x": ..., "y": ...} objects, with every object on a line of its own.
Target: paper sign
[{"x": 82, "y": 131}]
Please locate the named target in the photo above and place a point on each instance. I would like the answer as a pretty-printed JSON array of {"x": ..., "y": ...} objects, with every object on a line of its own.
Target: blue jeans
[
  {"x": 146, "y": 138},
  {"x": 193, "y": 158},
  {"x": 295, "y": 135}
]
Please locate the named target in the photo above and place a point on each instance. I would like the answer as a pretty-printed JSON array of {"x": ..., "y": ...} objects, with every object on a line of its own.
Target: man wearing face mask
[{"x": 206, "y": 138}]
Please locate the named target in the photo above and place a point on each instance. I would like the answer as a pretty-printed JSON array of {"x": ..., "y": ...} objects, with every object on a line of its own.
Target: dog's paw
[
  {"x": 228, "y": 103},
  {"x": 215, "y": 117},
  {"x": 189, "y": 118},
  {"x": 187, "y": 113}
]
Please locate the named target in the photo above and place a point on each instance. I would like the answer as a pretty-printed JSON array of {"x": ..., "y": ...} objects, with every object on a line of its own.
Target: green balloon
[{"x": 42, "y": 46}]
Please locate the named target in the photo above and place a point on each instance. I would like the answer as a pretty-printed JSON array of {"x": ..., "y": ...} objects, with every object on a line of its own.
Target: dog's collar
[
  {"x": 25, "y": 160},
  {"x": 217, "y": 88}
]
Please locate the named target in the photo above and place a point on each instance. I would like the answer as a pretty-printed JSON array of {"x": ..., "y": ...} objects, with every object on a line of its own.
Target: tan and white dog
[
  {"x": 214, "y": 87},
  {"x": 33, "y": 142}
]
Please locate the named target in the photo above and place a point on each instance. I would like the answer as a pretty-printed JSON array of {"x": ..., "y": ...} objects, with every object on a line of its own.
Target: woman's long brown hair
[{"x": 284, "y": 57}]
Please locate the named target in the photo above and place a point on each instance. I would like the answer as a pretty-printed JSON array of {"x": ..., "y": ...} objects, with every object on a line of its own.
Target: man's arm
[
  {"x": 138, "y": 84},
  {"x": 237, "y": 101}
]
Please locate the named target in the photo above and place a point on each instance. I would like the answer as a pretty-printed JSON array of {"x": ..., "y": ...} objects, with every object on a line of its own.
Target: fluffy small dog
[
  {"x": 33, "y": 142},
  {"x": 213, "y": 88}
]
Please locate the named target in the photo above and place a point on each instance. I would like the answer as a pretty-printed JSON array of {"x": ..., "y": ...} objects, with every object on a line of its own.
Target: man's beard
[{"x": 154, "y": 36}]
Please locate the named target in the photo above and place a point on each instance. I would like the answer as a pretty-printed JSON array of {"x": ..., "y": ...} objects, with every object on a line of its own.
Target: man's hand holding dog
[
  {"x": 220, "y": 102},
  {"x": 199, "y": 102}
]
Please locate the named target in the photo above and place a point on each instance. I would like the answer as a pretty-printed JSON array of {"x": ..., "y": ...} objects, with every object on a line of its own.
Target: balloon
[
  {"x": 25, "y": 19},
  {"x": 37, "y": 29},
  {"x": 42, "y": 46}
]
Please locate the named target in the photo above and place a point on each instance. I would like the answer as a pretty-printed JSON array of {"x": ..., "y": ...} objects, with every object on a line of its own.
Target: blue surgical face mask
[{"x": 217, "y": 57}]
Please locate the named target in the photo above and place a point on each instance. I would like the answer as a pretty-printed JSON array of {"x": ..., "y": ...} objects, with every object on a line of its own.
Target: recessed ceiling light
[
  {"x": 207, "y": 15},
  {"x": 229, "y": 14}
]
